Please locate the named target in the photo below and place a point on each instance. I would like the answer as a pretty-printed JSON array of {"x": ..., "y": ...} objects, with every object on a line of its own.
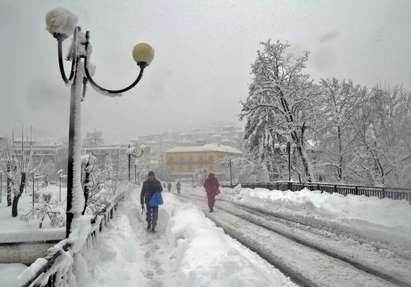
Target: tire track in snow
[{"x": 279, "y": 262}]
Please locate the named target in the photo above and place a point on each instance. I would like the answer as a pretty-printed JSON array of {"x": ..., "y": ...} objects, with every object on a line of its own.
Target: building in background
[
  {"x": 45, "y": 156},
  {"x": 218, "y": 133},
  {"x": 184, "y": 162}
]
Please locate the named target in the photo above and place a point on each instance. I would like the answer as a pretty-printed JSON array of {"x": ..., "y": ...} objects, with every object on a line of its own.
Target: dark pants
[
  {"x": 211, "y": 200},
  {"x": 151, "y": 216}
]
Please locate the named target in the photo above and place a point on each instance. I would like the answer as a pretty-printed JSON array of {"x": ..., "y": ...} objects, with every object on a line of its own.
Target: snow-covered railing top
[
  {"x": 314, "y": 184},
  {"x": 396, "y": 193}
]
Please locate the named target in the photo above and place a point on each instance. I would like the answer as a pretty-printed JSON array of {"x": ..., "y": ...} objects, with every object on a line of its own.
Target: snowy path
[
  {"x": 187, "y": 250},
  {"x": 310, "y": 255}
]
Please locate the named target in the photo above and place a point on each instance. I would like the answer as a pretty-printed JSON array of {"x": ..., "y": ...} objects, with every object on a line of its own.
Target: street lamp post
[
  {"x": 131, "y": 152},
  {"x": 289, "y": 160},
  {"x": 61, "y": 23},
  {"x": 135, "y": 172},
  {"x": 129, "y": 162},
  {"x": 60, "y": 188},
  {"x": 230, "y": 164},
  {"x": 289, "y": 164}
]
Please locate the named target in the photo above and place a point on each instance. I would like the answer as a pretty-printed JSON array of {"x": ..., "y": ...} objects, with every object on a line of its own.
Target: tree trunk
[
  {"x": 14, "y": 209},
  {"x": 86, "y": 188},
  {"x": 9, "y": 184},
  {"x": 304, "y": 162}
]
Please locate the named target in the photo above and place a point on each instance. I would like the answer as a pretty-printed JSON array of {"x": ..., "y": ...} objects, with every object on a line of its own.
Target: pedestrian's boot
[
  {"x": 148, "y": 227},
  {"x": 153, "y": 229},
  {"x": 211, "y": 209}
]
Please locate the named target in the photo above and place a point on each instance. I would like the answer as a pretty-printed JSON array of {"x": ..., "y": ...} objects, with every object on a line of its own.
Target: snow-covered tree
[
  {"x": 108, "y": 168},
  {"x": 88, "y": 163},
  {"x": 280, "y": 107},
  {"x": 11, "y": 172},
  {"x": 383, "y": 142},
  {"x": 26, "y": 168},
  {"x": 339, "y": 102}
]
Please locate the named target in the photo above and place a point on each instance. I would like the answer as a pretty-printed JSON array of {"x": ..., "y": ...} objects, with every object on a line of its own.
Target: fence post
[
  {"x": 289, "y": 185},
  {"x": 32, "y": 198},
  {"x": 335, "y": 188},
  {"x": 59, "y": 188},
  {"x": 356, "y": 190}
]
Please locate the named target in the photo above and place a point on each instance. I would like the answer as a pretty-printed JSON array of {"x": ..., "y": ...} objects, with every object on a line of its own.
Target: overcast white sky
[{"x": 203, "y": 54}]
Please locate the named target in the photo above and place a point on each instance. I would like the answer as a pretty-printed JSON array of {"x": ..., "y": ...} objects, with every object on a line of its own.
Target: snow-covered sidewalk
[{"x": 187, "y": 250}]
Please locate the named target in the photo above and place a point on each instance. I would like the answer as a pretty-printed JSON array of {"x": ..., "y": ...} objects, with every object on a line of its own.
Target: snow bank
[
  {"x": 389, "y": 213},
  {"x": 205, "y": 256},
  {"x": 187, "y": 250}
]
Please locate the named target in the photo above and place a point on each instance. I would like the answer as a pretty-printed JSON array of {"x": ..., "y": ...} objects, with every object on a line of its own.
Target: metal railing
[
  {"x": 394, "y": 193},
  {"x": 49, "y": 271}
]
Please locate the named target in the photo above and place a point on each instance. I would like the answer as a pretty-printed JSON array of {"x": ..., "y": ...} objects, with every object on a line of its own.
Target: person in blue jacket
[{"x": 150, "y": 198}]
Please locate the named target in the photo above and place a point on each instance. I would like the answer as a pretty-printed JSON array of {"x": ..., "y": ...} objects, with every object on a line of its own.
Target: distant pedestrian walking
[
  {"x": 211, "y": 186},
  {"x": 169, "y": 187},
  {"x": 150, "y": 198},
  {"x": 178, "y": 186}
]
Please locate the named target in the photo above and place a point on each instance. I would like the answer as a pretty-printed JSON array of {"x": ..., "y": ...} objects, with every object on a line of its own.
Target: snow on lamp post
[{"x": 61, "y": 23}]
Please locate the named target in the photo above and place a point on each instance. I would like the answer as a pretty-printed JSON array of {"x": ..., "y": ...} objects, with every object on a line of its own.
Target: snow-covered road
[
  {"x": 187, "y": 250},
  {"x": 310, "y": 255}
]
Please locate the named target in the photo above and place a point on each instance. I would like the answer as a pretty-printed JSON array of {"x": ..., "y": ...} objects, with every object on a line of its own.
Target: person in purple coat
[{"x": 211, "y": 186}]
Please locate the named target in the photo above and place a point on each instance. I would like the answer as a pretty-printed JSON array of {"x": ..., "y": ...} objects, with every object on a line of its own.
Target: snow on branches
[
  {"x": 279, "y": 108},
  {"x": 337, "y": 131}
]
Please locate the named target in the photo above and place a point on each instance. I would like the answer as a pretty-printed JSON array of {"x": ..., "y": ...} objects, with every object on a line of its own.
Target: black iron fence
[
  {"x": 49, "y": 271},
  {"x": 344, "y": 189}
]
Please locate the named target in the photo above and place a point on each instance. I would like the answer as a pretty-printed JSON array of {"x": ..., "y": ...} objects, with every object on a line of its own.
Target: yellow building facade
[{"x": 186, "y": 160}]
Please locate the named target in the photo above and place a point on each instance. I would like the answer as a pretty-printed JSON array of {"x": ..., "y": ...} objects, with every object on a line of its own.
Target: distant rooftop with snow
[{"x": 205, "y": 148}]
